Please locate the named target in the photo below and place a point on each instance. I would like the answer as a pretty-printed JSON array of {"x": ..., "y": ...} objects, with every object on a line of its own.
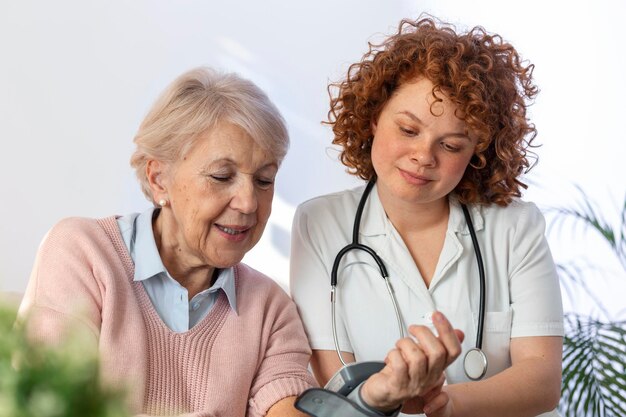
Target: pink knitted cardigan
[{"x": 230, "y": 364}]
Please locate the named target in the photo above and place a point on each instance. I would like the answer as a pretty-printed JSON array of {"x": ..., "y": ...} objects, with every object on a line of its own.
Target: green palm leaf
[
  {"x": 594, "y": 353},
  {"x": 594, "y": 374},
  {"x": 587, "y": 214}
]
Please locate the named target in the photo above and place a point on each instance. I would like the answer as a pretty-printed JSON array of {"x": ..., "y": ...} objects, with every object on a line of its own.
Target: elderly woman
[{"x": 176, "y": 317}]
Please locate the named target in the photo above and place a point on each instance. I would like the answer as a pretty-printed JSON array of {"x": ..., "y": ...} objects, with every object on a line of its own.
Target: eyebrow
[
  {"x": 418, "y": 120},
  {"x": 228, "y": 160}
]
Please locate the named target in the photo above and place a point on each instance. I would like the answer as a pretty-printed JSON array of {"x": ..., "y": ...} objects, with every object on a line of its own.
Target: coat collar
[
  {"x": 375, "y": 225},
  {"x": 375, "y": 222},
  {"x": 374, "y": 219},
  {"x": 457, "y": 223}
]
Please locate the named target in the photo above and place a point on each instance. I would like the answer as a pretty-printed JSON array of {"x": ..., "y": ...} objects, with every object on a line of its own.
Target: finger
[
  {"x": 447, "y": 336},
  {"x": 414, "y": 357},
  {"x": 385, "y": 389},
  {"x": 433, "y": 348},
  {"x": 413, "y": 405},
  {"x": 435, "y": 403},
  {"x": 396, "y": 369},
  {"x": 436, "y": 389},
  {"x": 460, "y": 335}
]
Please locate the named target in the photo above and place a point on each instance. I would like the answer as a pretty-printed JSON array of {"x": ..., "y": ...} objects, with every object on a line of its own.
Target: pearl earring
[{"x": 162, "y": 202}]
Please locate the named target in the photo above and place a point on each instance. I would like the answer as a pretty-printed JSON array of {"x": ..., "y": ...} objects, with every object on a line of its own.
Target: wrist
[{"x": 365, "y": 400}]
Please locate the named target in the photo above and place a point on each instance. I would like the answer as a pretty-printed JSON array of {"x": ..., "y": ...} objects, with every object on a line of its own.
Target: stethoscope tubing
[
  {"x": 355, "y": 245},
  {"x": 481, "y": 274},
  {"x": 475, "y": 352}
]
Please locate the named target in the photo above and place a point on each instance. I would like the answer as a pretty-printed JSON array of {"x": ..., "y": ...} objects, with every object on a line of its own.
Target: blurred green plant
[
  {"x": 594, "y": 351},
  {"x": 39, "y": 381}
]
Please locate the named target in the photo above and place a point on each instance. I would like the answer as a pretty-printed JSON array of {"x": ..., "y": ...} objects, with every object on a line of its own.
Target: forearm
[
  {"x": 285, "y": 408},
  {"x": 194, "y": 414},
  {"x": 527, "y": 389}
]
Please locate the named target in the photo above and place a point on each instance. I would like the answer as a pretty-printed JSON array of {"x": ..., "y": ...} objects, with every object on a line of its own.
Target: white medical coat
[{"x": 522, "y": 289}]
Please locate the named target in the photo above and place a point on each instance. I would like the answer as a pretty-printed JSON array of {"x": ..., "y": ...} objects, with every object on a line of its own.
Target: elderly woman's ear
[{"x": 156, "y": 174}]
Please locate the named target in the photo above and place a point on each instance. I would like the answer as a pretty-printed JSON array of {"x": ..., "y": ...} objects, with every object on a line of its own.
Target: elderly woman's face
[{"x": 220, "y": 197}]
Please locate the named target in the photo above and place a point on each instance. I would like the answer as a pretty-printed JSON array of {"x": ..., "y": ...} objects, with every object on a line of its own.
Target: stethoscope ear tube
[
  {"x": 475, "y": 360},
  {"x": 381, "y": 266}
]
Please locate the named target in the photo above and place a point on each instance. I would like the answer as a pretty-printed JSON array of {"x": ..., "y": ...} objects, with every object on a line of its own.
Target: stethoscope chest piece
[{"x": 475, "y": 364}]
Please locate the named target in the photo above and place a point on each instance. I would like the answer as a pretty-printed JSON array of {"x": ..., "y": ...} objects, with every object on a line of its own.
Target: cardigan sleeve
[
  {"x": 63, "y": 292},
  {"x": 283, "y": 371}
]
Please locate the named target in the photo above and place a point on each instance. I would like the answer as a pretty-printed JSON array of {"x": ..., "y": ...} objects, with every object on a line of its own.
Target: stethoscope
[{"x": 475, "y": 360}]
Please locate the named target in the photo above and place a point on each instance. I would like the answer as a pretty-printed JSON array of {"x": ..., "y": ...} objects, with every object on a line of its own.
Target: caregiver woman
[{"x": 437, "y": 118}]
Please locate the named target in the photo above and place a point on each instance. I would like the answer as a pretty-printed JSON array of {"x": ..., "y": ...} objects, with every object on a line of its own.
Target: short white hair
[{"x": 196, "y": 102}]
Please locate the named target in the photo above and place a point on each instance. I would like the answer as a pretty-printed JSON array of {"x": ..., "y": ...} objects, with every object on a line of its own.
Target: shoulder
[
  {"x": 259, "y": 295},
  {"x": 521, "y": 223},
  {"x": 87, "y": 228},
  {"x": 331, "y": 203},
  {"x": 83, "y": 225},
  {"x": 327, "y": 212},
  {"x": 517, "y": 214},
  {"x": 80, "y": 236},
  {"x": 74, "y": 224},
  {"x": 250, "y": 280},
  {"x": 73, "y": 229}
]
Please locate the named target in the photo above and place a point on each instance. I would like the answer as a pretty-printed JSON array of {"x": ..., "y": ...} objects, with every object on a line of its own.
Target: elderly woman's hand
[{"x": 415, "y": 366}]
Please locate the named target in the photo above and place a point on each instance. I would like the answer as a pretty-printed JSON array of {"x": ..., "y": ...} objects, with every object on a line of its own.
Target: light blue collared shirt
[{"x": 169, "y": 298}]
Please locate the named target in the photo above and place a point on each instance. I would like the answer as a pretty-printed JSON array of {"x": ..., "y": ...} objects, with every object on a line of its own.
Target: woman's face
[
  {"x": 220, "y": 196},
  {"x": 419, "y": 157}
]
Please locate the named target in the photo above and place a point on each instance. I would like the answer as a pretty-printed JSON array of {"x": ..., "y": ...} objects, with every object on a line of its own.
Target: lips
[
  {"x": 233, "y": 233},
  {"x": 416, "y": 179},
  {"x": 232, "y": 230}
]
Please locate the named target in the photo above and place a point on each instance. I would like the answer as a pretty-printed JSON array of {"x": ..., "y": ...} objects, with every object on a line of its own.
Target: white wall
[{"x": 76, "y": 78}]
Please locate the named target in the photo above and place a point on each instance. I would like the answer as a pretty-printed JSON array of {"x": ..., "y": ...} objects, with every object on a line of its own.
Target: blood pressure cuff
[{"x": 318, "y": 402}]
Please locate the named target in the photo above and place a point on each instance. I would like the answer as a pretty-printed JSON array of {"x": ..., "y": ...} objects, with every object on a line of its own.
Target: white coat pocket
[{"x": 497, "y": 340}]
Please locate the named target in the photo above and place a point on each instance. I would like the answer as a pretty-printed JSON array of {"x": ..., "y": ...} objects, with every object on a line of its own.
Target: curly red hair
[{"x": 483, "y": 75}]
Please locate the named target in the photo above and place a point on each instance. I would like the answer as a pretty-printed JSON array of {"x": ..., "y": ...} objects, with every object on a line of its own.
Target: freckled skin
[{"x": 410, "y": 141}]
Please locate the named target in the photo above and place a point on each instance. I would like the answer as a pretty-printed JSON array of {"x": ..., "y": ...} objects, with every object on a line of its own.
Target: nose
[
  {"x": 244, "y": 198},
  {"x": 423, "y": 155}
]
